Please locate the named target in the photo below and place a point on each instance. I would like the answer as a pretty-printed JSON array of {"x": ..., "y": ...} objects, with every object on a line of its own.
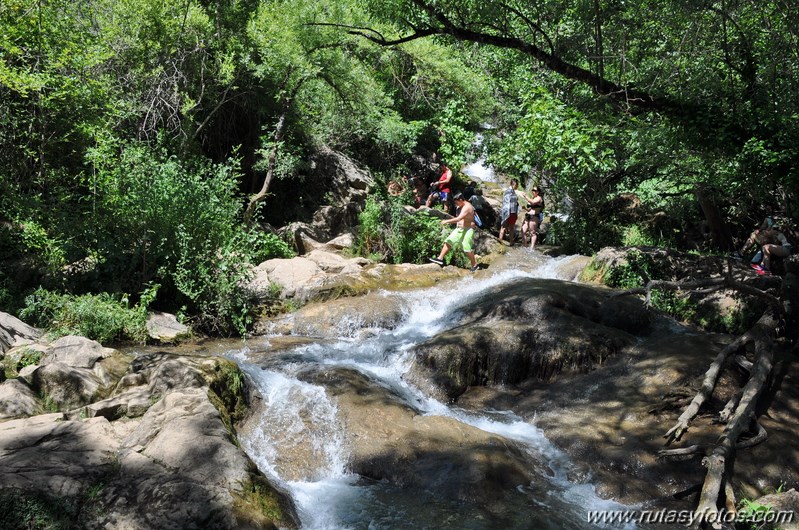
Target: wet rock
[
  {"x": 526, "y": 329},
  {"x": 343, "y": 318},
  {"x": 388, "y": 440}
]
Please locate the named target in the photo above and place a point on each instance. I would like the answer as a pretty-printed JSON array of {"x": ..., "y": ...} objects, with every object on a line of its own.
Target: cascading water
[
  {"x": 300, "y": 418},
  {"x": 478, "y": 169}
]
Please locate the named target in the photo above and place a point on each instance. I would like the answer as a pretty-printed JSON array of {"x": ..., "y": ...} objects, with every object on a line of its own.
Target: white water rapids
[{"x": 302, "y": 415}]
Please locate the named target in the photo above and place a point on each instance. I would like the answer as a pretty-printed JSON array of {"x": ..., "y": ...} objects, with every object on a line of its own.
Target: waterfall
[
  {"x": 478, "y": 169},
  {"x": 300, "y": 417}
]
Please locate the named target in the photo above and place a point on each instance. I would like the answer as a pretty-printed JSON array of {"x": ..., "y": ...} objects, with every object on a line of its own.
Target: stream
[{"x": 299, "y": 440}]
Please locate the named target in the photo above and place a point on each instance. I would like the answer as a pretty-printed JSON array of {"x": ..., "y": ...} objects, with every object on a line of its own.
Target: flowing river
[{"x": 301, "y": 418}]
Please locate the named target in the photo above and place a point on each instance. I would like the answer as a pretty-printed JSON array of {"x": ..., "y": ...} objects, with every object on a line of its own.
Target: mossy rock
[
  {"x": 261, "y": 505},
  {"x": 228, "y": 383}
]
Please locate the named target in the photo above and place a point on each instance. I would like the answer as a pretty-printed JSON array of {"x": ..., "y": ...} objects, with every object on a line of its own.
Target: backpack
[{"x": 477, "y": 220}]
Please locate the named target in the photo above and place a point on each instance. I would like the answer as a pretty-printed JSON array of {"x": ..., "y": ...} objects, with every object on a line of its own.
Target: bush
[
  {"x": 100, "y": 317},
  {"x": 263, "y": 246},
  {"x": 177, "y": 222},
  {"x": 388, "y": 232}
]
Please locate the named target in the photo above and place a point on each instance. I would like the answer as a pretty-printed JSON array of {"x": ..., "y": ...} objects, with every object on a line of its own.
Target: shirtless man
[{"x": 462, "y": 234}]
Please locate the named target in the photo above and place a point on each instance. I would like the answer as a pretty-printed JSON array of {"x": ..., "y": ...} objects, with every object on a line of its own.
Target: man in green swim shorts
[{"x": 463, "y": 234}]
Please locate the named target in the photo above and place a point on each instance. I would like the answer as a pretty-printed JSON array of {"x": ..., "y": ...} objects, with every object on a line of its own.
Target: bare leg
[
  {"x": 778, "y": 251},
  {"x": 444, "y": 251},
  {"x": 749, "y": 242},
  {"x": 533, "y": 234}
]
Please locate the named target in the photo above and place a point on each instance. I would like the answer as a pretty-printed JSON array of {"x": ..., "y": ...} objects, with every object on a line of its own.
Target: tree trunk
[{"x": 722, "y": 239}]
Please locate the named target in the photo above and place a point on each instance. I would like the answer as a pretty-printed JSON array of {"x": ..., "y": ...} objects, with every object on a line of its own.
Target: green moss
[
  {"x": 19, "y": 360},
  {"x": 228, "y": 383},
  {"x": 259, "y": 493},
  {"x": 594, "y": 272}
]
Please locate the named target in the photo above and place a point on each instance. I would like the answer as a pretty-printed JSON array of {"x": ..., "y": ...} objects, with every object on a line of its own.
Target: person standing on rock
[
  {"x": 440, "y": 190},
  {"x": 533, "y": 217},
  {"x": 509, "y": 212},
  {"x": 462, "y": 234}
]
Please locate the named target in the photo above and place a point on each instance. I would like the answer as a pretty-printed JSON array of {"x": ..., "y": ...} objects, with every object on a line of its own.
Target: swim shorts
[{"x": 462, "y": 237}]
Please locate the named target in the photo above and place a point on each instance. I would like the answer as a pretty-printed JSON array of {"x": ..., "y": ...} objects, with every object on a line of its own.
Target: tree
[{"x": 711, "y": 76}]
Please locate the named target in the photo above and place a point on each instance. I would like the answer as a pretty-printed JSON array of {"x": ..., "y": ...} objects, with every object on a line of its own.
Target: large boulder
[
  {"x": 172, "y": 462},
  {"x": 291, "y": 274},
  {"x": 782, "y": 508},
  {"x": 165, "y": 328},
  {"x": 17, "y": 400},
  {"x": 527, "y": 329},
  {"x": 14, "y": 332},
  {"x": 65, "y": 386},
  {"x": 75, "y": 351},
  {"x": 344, "y": 180}
]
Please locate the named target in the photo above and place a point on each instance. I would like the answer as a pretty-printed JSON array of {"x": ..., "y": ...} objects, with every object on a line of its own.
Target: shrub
[
  {"x": 177, "y": 222},
  {"x": 388, "y": 232},
  {"x": 100, "y": 317}
]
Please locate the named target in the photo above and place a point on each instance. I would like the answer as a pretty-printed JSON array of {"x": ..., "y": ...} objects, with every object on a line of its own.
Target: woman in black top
[{"x": 533, "y": 217}]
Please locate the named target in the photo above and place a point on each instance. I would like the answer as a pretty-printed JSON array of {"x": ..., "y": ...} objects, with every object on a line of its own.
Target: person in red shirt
[{"x": 440, "y": 190}]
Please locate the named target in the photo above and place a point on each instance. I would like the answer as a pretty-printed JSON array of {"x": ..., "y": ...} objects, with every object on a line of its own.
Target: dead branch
[
  {"x": 744, "y": 363},
  {"x": 727, "y": 281},
  {"x": 682, "y": 451},
  {"x": 726, "y": 414},
  {"x": 708, "y": 383},
  {"x": 760, "y": 436},
  {"x": 724, "y": 452}
]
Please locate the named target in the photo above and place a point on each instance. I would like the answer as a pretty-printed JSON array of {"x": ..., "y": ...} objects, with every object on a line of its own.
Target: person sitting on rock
[
  {"x": 775, "y": 245},
  {"x": 755, "y": 237}
]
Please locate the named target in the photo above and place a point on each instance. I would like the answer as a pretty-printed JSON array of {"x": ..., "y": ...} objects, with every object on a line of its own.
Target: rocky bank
[{"x": 91, "y": 437}]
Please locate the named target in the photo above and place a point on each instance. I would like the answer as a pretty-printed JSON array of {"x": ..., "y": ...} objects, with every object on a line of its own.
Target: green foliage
[
  {"x": 640, "y": 268},
  {"x": 262, "y": 246},
  {"x": 159, "y": 218},
  {"x": 636, "y": 272},
  {"x": 636, "y": 236},
  {"x": 36, "y": 511},
  {"x": 197, "y": 84},
  {"x": 27, "y": 357},
  {"x": 100, "y": 317},
  {"x": 388, "y": 231},
  {"x": 456, "y": 139},
  {"x": 754, "y": 513}
]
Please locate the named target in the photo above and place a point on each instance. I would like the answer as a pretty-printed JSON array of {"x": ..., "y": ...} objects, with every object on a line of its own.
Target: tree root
[
  {"x": 739, "y": 412},
  {"x": 723, "y": 453}
]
